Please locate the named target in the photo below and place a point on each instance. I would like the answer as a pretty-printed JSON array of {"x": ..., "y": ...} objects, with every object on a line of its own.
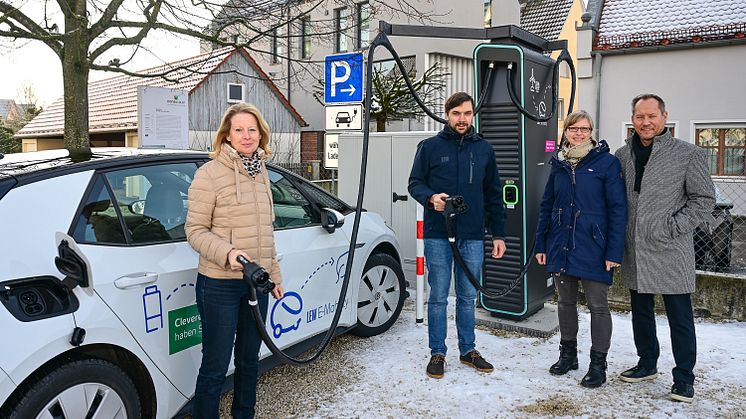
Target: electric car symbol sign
[{"x": 343, "y": 78}]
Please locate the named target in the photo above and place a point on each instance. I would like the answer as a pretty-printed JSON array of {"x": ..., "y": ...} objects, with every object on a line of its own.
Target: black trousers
[{"x": 681, "y": 323}]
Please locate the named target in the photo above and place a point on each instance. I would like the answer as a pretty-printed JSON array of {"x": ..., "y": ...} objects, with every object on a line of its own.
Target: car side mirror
[{"x": 331, "y": 219}]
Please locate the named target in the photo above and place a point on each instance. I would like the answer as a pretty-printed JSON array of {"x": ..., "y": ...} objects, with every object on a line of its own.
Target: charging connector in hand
[{"x": 256, "y": 275}]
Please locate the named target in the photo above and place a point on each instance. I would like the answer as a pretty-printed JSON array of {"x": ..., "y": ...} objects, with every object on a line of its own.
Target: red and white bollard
[{"x": 420, "y": 295}]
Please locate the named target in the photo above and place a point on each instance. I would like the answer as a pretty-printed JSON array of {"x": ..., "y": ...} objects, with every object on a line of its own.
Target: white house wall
[{"x": 699, "y": 84}]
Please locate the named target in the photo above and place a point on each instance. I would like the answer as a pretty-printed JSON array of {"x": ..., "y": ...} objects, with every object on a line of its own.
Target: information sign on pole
[
  {"x": 162, "y": 118},
  {"x": 331, "y": 151}
]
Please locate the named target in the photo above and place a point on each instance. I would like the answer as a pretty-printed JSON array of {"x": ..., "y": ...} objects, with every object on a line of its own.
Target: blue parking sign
[{"x": 343, "y": 78}]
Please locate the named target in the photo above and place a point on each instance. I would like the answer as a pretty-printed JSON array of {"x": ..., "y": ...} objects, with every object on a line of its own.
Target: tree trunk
[
  {"x": 75, "y": 70},
  {"x": 380, "y": 124}
]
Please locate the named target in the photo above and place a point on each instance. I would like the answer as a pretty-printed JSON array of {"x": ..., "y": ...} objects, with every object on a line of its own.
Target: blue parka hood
[{"x": 583, "y": 215}]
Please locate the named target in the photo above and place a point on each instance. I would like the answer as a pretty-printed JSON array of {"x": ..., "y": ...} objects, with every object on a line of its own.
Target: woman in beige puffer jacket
[{"x": 230, "y": 215}]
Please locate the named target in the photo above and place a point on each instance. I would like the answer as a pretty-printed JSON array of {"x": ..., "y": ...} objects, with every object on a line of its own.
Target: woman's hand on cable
[
  {"x": 611, "y": 265},
  {"x": 439, "y": 201},
  {"x": 232, "y": 259},
  {"x": 498, "y": 248},
  {"x": 542, "y": 258},
  {"x": 278, "y": 292}
]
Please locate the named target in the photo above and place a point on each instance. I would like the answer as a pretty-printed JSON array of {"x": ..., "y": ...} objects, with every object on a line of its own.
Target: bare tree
[
  {"x": 393, "y": 100},
  {"x": 83, "y": 33}
]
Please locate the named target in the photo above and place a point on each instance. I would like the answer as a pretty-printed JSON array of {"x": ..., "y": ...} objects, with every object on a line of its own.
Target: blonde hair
[
  {"x": 573, "y": 119},
  {"x": 225, "y": 126}
]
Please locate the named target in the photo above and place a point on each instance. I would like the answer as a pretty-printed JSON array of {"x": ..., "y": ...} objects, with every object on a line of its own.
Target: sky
[
  {"x": 33, "y": 63},
  {"x": 393, "y": 381}
]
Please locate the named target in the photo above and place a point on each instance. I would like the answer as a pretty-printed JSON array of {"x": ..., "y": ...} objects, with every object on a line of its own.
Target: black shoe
[
  {"x": 568, "y": 359},
  {"x": 596, "y": 371},
  {"x": 436, "y": 366},
  {"x": 682, "y": 392},
  {"x": 474, "y": 359},
  {"x": 639, "y": 373}
]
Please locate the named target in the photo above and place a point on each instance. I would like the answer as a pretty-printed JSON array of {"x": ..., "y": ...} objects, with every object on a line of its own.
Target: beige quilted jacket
[{"x": 228, "y": 209}]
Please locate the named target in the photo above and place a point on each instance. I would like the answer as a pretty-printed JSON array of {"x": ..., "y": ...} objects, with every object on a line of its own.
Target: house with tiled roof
[
  {"x": 10, "y": 110},
  {"x": 213, "y": 80},
  {"x": 553, "y": 20},
  {"x": 691, "y": 53}
]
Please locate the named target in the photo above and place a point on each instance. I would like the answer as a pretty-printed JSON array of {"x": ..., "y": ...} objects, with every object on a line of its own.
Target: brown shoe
[
  {"x": 436, "y": 366},
  {"x": 474, "y": 359}
]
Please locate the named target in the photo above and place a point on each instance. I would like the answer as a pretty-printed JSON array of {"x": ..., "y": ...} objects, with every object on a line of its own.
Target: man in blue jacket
[{"x": 457, "y": 161}]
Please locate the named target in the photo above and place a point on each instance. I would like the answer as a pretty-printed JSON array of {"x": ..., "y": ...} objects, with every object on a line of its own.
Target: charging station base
[{"x": 542, "y": 324}]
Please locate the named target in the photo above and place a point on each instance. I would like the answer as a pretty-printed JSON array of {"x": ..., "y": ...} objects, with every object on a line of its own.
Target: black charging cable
[
  {"x": 258, "y": 278},
  {"x": 455, "y": 205},
  {"x": 380, "y": 40},
  {"x": 563, "y": 56}
]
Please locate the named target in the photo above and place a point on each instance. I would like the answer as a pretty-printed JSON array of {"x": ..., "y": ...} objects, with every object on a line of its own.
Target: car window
[
  {"x": 292, "y": 209},
  {"x": 98, "y": 221},
  {"x": 152, "y": 200},
  {"x": 323, "y": 199}
]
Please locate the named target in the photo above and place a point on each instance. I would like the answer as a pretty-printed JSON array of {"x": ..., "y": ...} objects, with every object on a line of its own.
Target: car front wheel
[
  {"x": 381, "y": 295},
  {"x": 89, "y": 388}
]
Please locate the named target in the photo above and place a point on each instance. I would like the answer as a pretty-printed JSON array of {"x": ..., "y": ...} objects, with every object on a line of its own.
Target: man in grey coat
[{"x": 669, "y": 193}]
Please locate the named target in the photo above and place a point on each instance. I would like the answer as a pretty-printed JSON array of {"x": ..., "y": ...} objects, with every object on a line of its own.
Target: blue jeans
[
  {"x": 439, "y": 260},
  {"x": 224, "y": 309}
]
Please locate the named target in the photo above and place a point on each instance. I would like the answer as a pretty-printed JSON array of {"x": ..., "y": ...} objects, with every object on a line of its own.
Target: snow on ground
[{"x": 393, "y": 383}]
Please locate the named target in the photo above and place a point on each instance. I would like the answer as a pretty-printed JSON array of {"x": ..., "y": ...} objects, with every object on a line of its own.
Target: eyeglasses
[{"x": 584, "y": 130}]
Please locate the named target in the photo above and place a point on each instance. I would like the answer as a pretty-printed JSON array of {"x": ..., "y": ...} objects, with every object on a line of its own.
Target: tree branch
[
  {"x": 29, "y": 30},
  {"x": 134, "y": 40},
  {"x": 99, "y": 27}
]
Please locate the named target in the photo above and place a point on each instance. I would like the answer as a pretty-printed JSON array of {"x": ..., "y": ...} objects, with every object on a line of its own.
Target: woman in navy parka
[{"x": 580, "y": 238}]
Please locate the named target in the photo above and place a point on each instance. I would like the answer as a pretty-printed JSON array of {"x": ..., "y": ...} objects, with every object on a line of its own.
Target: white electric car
[{"x": 97, "y": 280}]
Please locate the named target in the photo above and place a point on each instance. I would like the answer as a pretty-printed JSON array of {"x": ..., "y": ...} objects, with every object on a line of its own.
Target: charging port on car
[{"x": 36, "y": 298}]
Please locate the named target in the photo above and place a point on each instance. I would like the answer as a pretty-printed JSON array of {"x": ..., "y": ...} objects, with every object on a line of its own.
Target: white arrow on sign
[
  {"x": 340, "y": 79},
  {"x": 350, "y": 90}
]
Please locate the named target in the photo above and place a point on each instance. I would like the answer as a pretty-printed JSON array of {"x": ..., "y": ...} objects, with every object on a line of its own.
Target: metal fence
[
  {"x": 720, "y": 246},
  {"x": 314, "y": 171}
]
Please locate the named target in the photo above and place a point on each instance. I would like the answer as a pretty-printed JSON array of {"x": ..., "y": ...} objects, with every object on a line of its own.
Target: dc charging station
[
  {"x": 519, "y": 60},
  {"x": 522, "y": 148}
]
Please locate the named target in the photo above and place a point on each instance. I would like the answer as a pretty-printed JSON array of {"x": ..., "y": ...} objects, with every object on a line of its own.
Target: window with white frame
[
  {"x": 305, "y": 40},
  {"x": 363, "y": 25},
  {"x": 277, "y": 49},
  {"x": 235, "y": 92},
  {"x": 725, "y": 148},
  {"x": 340, "y": 26}
]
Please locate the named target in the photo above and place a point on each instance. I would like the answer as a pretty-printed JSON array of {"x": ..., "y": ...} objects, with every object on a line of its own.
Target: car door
[
  {"x": 312, "y": 262},
  {"x": 131, "y": 230}
]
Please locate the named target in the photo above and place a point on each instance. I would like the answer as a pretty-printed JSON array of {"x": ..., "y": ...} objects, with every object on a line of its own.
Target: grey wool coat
[{"x": 676, "y": 195}]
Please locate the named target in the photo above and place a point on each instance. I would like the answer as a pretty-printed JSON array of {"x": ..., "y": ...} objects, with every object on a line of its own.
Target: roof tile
[
  {"x": 112, "y": 102},
  {"x": 631, "y": 23},
  {"x": 545, "y": 18}
]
